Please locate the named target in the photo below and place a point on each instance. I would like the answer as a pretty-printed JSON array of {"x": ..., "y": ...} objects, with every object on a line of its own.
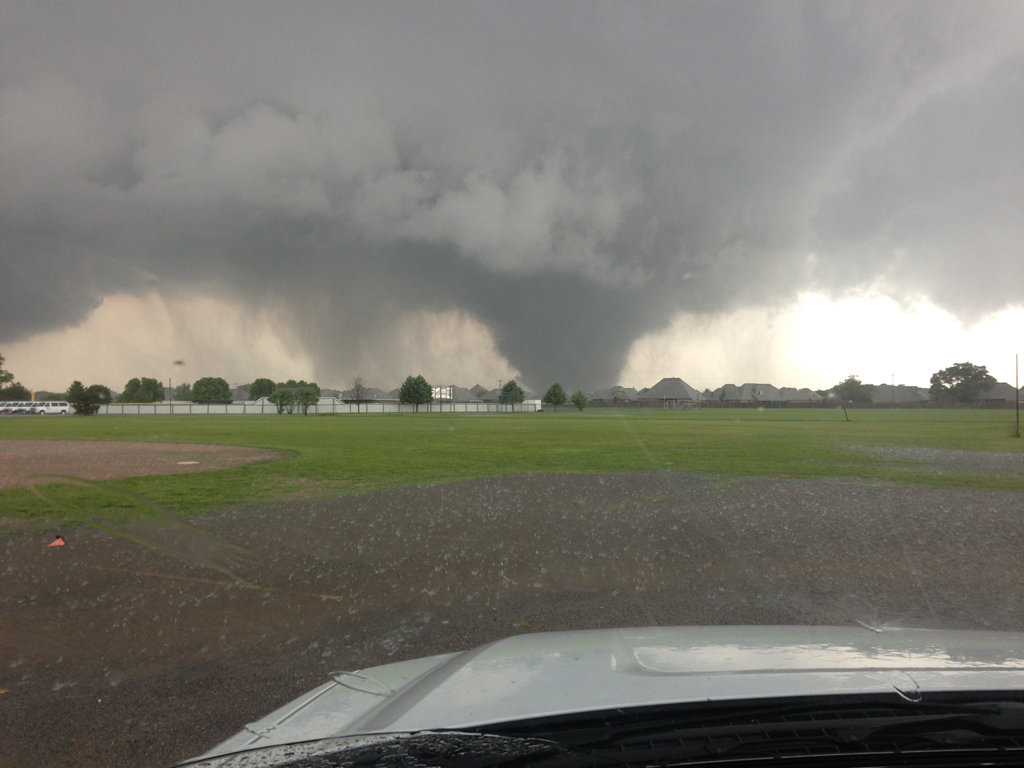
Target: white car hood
[{"x": 558, "y": 673}]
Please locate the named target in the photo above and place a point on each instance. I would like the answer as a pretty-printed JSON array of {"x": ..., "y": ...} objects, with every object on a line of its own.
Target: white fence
[{"x": 326, "y": 405}]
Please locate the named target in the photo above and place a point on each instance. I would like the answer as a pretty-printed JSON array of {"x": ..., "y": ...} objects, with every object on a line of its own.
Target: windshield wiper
[
  {"x": 839, "y": 733},
  {"x": 435, "y": 749},
  {"x": 785, "y": 730}
]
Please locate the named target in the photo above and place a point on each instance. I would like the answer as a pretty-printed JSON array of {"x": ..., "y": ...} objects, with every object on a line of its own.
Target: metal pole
[{"x": 1016, "y": 380}]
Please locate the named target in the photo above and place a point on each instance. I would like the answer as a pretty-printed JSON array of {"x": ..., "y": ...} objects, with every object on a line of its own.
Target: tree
[
  {"x": 183, "y": 392},
  {"x": 142, "y": 391},
  {"x": 87, "y": 400},
  {"x": 479, "y": 391},
  {"x": 964, "y": 382},
  {"x": 556, "y": 395},
  {"x": 211, "y": 388},
  {"x": 6, "y": 377},
  {"x": 261, "y": 388},
  {"x": 100, "y": 393},
  {"x": 852, "y": 390},
  {"x": 154, "y": 389},
  {"x": 130, "y": 391},
  {"x": 579, "y": 399},
  {"x": 358, "y": 392},
  {"x": 416, "y": 391},
  {"x": 13, "y": 391},
  {"x": 80, "y": 401},
  {"x": 511, "y": 393},
  {"x": 283, "y": 399},
  {"x": 307, "y": 396}
]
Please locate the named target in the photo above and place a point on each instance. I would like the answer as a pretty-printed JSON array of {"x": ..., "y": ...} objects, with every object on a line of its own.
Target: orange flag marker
[{"x": 58, "y": 542}]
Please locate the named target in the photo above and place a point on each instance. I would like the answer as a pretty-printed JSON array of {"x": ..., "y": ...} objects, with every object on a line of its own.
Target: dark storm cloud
[
  {"x": 572, "y": 175},
  {"x": 936, "y": 207}
]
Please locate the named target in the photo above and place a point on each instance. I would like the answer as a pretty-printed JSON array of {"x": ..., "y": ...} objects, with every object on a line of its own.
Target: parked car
[{"x": 53, "y": 407}]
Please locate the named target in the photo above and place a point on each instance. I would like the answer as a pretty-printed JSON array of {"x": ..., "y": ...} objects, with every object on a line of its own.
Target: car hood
[{"x": 556, "y": 673}]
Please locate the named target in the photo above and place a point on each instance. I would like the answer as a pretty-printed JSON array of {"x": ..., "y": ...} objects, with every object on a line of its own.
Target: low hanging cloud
[
  {"x": 540, "y": 220},
  {"x": 569, "y": 178}
]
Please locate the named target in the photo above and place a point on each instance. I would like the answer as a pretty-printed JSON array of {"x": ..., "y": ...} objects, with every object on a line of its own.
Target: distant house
[
  {"x": 372, "y": 395},
  {"x": 450, "y": 393},
  {"x": 455, "y": 394},
  {"x": 900, "y": 394},
  {"x": 490, "y": 396},
  {"x": 615, "y": 397},
  {"x": 793, "y": 395},
  {"x": 670, "y": 393},
  {"x": 1001, "y": 392},
  {"x": 463, "y": 395},
  {"x": 494, "y": 394},
  {"x": 748, "y": 393}
]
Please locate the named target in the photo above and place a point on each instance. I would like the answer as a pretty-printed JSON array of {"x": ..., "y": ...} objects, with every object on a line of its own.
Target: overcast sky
[{"x": 559, "y": 191}]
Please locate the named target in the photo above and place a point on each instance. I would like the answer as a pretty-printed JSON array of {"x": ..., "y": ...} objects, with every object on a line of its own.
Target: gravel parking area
[
  {"x": 143, "y": 651},
  {"x": 20, "y": 460}
]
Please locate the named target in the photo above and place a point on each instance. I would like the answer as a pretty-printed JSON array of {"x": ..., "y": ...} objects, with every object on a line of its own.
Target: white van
[{"x": 52, "y": 407}]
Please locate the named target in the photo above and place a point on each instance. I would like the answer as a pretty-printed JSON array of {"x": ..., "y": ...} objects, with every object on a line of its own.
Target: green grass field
[{"x": 329, "y": 455}]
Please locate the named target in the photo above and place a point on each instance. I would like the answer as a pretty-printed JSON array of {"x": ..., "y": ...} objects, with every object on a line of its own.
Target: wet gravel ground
[
  {"x": 960, "y": 462},
  {"x": 143, "y": 651}
]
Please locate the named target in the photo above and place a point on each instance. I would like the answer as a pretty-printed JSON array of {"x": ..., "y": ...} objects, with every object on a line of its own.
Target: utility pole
[{"x": 1016, "y": 381}]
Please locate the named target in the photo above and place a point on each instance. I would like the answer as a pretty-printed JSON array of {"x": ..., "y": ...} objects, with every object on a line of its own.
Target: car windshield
[{"x": 361, "y": 333}]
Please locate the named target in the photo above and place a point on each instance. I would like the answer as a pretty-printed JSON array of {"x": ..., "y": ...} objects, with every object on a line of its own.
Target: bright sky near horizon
[
  {"x": 589, "y": 193},
  {"x": 812, "y": 343}
]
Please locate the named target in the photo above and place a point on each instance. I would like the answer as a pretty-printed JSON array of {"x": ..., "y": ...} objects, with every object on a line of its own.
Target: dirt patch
[{"x": 20, "y": 460}]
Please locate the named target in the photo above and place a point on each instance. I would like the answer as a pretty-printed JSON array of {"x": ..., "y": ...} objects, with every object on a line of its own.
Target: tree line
[
  {"x": 962, "y": 382},
  {"x": 286, "y": 395},
  {"x": 416, "y": 390}
]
